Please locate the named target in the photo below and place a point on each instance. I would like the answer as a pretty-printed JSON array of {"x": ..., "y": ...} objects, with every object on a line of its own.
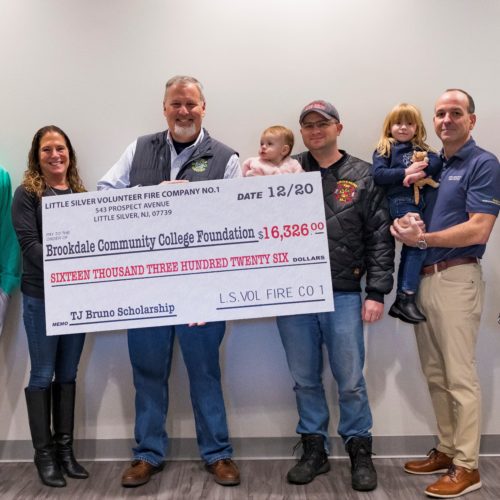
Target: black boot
[
  {"x": 63, "y": 412},
  {"x": 38, "y": 403},
  {"x": 314, "y": 460},
  {"x": 406, "y": 309},
  {"x": 364, "y": 475}
]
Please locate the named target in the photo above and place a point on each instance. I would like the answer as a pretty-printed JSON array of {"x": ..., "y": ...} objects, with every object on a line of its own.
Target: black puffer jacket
[{"x": 358, "y": 224}]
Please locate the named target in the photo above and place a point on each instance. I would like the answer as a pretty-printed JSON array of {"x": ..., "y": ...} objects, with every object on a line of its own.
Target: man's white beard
[{"x": 185, "y": 132}]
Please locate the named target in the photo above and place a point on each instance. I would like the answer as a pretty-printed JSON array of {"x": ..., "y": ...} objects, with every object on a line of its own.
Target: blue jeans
[
  {"x": 342, "y": 333},
  {"x": 55, "y": 357},
  {"x": 412, "y": 259},
  {"x": 150, "y": 351}
]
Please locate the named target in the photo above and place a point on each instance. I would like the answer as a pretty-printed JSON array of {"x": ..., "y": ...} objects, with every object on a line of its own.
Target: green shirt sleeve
[{"x": 9, "y": 247}]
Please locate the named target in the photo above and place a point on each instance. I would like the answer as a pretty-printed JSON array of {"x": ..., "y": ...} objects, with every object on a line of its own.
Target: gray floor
[{"x": 261, "y": 480}]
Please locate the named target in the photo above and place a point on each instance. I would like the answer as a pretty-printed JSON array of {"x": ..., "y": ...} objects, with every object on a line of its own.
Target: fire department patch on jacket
[
  {"x": 200, "y": 165},
  {"x": 345, "y": 191}
]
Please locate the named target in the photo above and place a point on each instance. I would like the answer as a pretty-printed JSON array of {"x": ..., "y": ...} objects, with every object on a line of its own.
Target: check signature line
[{"x": 272, "y": 304}]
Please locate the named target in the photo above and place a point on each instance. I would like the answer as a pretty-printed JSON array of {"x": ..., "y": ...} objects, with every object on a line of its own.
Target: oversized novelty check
[{"x": 182, "y": 253}]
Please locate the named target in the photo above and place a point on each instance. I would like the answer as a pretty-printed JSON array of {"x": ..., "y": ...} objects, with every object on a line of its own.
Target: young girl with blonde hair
[{"x": 395, "y": 167}]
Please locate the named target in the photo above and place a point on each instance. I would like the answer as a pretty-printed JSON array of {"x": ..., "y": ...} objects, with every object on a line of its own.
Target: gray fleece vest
[{"x": 151, "y": 163}]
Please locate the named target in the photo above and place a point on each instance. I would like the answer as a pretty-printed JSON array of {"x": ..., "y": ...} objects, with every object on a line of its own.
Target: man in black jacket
[{"x": 359, "y": 242}]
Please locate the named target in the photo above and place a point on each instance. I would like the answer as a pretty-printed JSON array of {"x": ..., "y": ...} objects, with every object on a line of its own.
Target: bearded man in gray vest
[{"x": 185, "y": 152}]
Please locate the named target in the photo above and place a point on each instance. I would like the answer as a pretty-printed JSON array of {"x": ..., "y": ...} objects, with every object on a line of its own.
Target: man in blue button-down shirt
[{"x": 183, "y": 153}]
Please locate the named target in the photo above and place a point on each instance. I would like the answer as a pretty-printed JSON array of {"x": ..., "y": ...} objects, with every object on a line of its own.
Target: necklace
[{"x": 57, "y": 194}]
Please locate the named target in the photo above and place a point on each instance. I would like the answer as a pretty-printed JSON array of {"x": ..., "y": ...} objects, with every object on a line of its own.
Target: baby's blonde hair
[
  {"x": 284, "y": 132},
  {"x": 402, "y": 112}
]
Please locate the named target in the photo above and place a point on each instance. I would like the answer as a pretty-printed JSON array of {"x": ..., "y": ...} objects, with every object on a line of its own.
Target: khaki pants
[{"x": 452, "y": 301}]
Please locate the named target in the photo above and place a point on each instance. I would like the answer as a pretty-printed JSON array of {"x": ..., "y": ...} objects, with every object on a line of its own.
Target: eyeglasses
[{"x": 321, "y": 125}]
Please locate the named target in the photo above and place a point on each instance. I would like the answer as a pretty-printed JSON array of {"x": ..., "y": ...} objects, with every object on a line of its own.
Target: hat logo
[{"x": 315, "y": 105}]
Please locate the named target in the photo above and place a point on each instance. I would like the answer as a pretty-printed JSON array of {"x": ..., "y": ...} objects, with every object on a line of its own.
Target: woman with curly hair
[{"x": 51, "y": 171}]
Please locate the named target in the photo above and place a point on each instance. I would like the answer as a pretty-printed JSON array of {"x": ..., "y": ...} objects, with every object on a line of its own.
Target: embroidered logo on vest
[
  {"x": 199, "y": 165},
  {"x": 345, "y": 191}
]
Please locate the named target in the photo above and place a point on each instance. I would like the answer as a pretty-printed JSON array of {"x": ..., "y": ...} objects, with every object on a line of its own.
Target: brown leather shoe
[
  {"x": 138, "y": 473},
  {"x": 436, "y": 462},
  {"x": 457, "y": 481},
  {"x": 225, "y": 472}
]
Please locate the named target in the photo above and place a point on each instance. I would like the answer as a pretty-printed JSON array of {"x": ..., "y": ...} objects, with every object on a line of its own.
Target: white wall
[{"x": 97, "y": 69}]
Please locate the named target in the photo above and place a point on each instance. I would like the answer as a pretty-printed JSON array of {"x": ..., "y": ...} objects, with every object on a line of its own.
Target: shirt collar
[
  {"x": 200, "y": 137},
  {"x": 462, "y": 153},
  {"x": 338, "y": 163}
]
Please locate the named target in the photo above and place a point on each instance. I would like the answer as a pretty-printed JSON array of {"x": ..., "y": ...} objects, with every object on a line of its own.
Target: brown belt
[{"x": 445, "y": 264}]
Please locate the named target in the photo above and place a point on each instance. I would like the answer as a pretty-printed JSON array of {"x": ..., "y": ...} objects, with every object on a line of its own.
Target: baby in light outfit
[{"x": 276, "y": 144}]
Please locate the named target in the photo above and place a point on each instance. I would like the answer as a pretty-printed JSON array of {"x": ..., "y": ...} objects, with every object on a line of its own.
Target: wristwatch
[{"x": 421, "y": 243}]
